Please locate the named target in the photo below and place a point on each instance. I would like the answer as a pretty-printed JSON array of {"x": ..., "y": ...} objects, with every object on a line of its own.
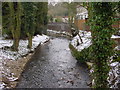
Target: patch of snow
[
  {"x": 5, "y": 43},
  {"x": 39, "y": 40},
  {"x": 7, "y": 54},
  {"x": 58, "y": 32},
  {"x": 86, "y": 38},
  {"x": 12, "y": 78},
  {"x": 117, "y": 48},
  {"x": 73, "y": 28},
  {"x": 114, "y": 73},
  {"x": 114, "y": 64},
  {"x": 2, "y": 85},
  {"x": 91, "y": 70},
  {"x": 22, "y": 49},
  {"x": 113, "y": 36},
  {"x": 68, "y": 49}
]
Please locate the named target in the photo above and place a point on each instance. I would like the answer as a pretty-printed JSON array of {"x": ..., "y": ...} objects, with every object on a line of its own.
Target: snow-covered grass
[
  {"x": 7, "y": 57},
  {"x": 114, "y": 73},
  {"x": 7, "y": 54},
  {"x": 86, "y": 38}
]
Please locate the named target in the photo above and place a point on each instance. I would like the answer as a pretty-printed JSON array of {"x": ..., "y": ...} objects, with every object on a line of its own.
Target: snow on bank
[
  {"x": 117, "y": 39},
  {"x": 39, "y": 40},
  {"x": 7, "y": 72},
  {"x": 58, "y": 32},
  {"x": 114, "y": 36},
  {"x": 114, "y": 73},
  {"x": 2, "y": 85},
  {"x": 23, "y": 50},
  {"x": 86, "y": 38}
]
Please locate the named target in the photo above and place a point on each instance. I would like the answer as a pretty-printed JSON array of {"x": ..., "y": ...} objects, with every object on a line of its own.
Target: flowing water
[{"x": 53, "y": 66}]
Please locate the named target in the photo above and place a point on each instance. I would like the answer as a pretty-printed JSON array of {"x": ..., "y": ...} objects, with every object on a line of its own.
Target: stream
[{"x": 53, "y": 66}]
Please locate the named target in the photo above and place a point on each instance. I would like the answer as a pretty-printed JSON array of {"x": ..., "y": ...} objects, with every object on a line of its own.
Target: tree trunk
[
  {"x": 80, "y": 38},
  {"x": 30, "y": 41},
  {"x": 15, "y": 17},
  {"x": 12, "y": 19},
  {"x": 15, "y": 44}
]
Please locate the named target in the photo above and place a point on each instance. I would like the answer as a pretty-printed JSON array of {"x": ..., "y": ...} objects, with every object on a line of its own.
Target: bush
[
  {"x": 58, "y": 20},
  {"x": 7, "y": 33},
  {"x": 82, "y": 56}
]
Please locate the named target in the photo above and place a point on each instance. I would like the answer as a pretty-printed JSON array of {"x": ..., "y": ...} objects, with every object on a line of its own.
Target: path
[{"x": 53, "y": 66}]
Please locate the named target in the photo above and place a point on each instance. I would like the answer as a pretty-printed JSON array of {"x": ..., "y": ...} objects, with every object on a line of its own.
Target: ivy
[
  {"x": 82, "y": 56},
  {"x": 102, "y": 31}
]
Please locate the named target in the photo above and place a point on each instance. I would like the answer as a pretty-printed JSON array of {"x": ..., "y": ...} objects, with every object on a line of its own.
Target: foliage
[
  {"x": 24, "y": 20},
  {"x": 6, "y": 20},
  {"x": 82, "y": 56},
  {"x": 29, "y": 20},
  {"x": 58, "y": 20},
  {"x": 102, "y": 19},
  {"x": 58, "y": 10},
  {"x": 29, "y": 17},
  {"x": 50, "y": 18},
  {"x": 15, "y": 22},
  {"x": 71, "y": 11},
  {"x": 41, "y": 17}
]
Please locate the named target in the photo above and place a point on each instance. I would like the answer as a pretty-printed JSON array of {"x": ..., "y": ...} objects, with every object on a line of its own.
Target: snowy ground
[
  {"x": 86, "y": 38},
  {"x": 11, "y": 63},
  {"x": 58, "y": 32},
  {"x": 114, "y": 36},
  {"x": 23, "y": 50},
  {"x": 117, "y": 38},
  {"x": 114, "y": 73}
]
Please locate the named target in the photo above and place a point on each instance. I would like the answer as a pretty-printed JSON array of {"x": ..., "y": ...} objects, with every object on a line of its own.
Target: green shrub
[
  {"x": 82, "y": 56},
  {"x": 7, "y": 32},
  {"x": 58, "y": 20}
]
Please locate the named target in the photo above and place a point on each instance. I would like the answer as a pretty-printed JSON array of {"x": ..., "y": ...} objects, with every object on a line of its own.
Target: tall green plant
[
  {"x": 41, "y": 15},
  {"x": 11, "y": 21},
  {"x": 29, "y": 20},
  {"x": 101, "y": 39}
]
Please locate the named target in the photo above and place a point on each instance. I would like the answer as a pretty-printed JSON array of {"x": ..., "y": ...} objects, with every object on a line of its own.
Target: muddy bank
[{"x": 11, "y": 69}]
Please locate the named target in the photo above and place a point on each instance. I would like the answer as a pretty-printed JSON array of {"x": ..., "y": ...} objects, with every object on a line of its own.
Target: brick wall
[{"x": 80, "y": 24}]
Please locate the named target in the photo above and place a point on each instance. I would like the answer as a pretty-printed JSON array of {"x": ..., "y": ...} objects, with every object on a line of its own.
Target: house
[{"x": 81, "y": 17}]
